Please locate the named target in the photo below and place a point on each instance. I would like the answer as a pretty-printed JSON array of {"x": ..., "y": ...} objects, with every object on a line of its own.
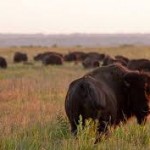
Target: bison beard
[{"x": 110, "y": 94}]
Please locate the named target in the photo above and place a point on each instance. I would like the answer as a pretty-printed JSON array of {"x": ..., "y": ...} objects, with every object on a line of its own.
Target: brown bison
[
  {"x": 96, "y": 55},
  {"x": 109, "y": 94},
  {"x": 20, "y": 57},
  {"x": 75, "y": 56},
  {"x": 111, "y": 60},
  {"x": 139, "y": 64},
  {"x": 52, "y": 60},
  {"x": 40, "y": 56},
  {"x": 122, "y": 58},
  {"x": 93, "y": 60},
  {"x": 90, "y": 62},
  {"x": 3, "y": 63}
]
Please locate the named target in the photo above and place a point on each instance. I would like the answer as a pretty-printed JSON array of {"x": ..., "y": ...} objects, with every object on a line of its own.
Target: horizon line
[{"x": 76, "y": 33}]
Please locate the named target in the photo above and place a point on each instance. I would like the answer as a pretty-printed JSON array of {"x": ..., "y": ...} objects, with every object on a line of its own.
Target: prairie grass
[{"x": 32, "y": 115}]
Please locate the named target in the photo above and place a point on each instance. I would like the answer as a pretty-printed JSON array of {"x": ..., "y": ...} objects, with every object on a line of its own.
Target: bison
[
  {"x": 109, "y": 94},
  {"x": 20, "y": 57},
  {"x": 122, "y": 58},
  {"x": 90, "y": 62},
  {"x": 3, "y": 63},
  {"x": 139, "y": 64},
  {"x": 111, "y": 60},
  {"x": 75, "y": 56},
  {"x": 96, "y": 55},
  {"x": 52, "y": 60},
  {"x": 93, "y": 60},
  {"x": 40, "y": 56}
]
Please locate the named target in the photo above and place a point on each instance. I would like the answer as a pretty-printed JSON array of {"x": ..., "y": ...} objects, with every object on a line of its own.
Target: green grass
[
  {"x": 32, "y": 115},
  {"x": 55, "y": 135}
]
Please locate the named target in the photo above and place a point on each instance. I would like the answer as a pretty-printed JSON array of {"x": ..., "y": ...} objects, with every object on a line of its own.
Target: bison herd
[{"x": 88, "y": 60}]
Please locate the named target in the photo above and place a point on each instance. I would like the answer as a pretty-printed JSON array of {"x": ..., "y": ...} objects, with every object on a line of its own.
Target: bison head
[{"x": 138, "y": 87}]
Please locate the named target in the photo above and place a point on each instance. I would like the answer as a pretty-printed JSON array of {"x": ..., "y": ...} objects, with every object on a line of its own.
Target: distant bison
[
  {"x": 20, "y": 57},
  {"x": 52, "y": 60},
  {"x": 75, "y": 56},
  {"x": 40, "y": 56},
  {"x": 3, "y": 63},
  {"x": 139, "y": 64},
  {"x": 109, "y": 94},
  {"x": 108, "y": 60},
  {"x": 122, "y": 58},
  {"x": 93, "y": 60},
  {"x": 96, "y": 55},
  {"x": 90, "y": 63}
]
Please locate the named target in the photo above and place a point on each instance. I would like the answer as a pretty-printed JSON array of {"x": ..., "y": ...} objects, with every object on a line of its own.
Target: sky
[{"x": 74, "y": 16}]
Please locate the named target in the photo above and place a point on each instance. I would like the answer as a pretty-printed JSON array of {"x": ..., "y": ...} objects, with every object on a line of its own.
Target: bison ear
[{"x": 131, "y": 78}]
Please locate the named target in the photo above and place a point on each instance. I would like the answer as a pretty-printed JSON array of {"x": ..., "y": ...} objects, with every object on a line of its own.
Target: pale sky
[{"x": 74, "y": 16}]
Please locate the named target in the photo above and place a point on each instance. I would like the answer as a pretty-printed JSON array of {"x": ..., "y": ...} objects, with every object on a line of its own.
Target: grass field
[{"x": 32, "y": 115}]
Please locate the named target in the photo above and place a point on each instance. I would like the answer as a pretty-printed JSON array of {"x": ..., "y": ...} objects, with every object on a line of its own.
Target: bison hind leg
[{"x": 74, "y": 129}]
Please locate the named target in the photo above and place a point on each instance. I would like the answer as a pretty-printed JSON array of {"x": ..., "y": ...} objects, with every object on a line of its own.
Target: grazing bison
[
  {"x": 40, "y": 57},
  {"x": 110, "y": 60},
  {"x": 3, "y": 63},
  {"x": 96, "y": 56},
  {"x": 90, "y": 62},
  {"x": 109, "y": 94},
  {"x": 122, "y": 58},
  {"x": 20, "y": 57},
  {"x": 75, "y": 56},
  {"x": 52, "y": 60},
  {"x": 139, "y": 64}
]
